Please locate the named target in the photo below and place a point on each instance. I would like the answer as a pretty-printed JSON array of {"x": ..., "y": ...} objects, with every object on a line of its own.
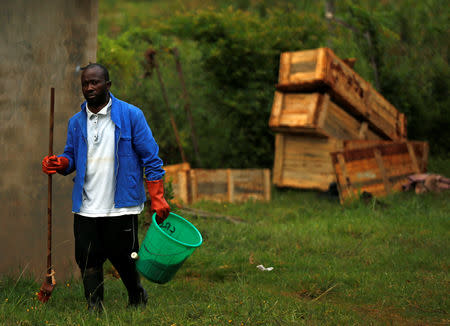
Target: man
[{"x": 110, "y": 146}]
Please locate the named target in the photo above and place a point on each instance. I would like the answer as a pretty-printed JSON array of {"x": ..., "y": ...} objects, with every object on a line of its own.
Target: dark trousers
[{"x": 101, "y": 238}]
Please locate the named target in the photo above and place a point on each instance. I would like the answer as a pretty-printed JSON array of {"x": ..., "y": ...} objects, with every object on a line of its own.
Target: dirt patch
[
  {"x": 369, "y": 313},
  {"x": 391, "y": 316}
]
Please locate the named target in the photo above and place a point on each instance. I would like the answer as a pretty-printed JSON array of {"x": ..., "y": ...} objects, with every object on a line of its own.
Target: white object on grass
[{"x": 264, "y": 269}]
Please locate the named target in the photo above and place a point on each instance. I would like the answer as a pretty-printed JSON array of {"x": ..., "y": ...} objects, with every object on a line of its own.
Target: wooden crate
[
  {"x": 303, "y": 161},
  {"x": 420, "y": 146},
  {"x": 315, "y": 113},
  {"x": 230, "y": 185},
  {"x": 322, "y": 70},
  {"x": 223, "y": 185},
  {"x": 379, "y": 169}
]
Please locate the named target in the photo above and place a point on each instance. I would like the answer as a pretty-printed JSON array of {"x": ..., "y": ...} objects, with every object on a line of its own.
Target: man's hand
[
  {"x": 53, "y": 164},
  {"x": 159, "y": 204}
]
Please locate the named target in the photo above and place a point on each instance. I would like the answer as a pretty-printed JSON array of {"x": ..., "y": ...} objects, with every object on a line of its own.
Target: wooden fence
[{"x": 223, "y": 185}]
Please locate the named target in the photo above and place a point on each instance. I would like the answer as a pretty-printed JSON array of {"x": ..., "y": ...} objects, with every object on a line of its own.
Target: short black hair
[{"x": 102, "y": 67}]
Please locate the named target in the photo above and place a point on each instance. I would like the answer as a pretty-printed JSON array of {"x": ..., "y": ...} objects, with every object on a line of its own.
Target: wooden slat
[
  {"x": 212, "y": 184},
  {"x": 279, "y": 159},
  {"x": 321, "y": 113},
  {"x": 345, "y": 183},
  {"x": 285, "y": 66},
  {"x": 322, "y": 64},
  {"x": 413, "y": 158},
  {"x": 378, "y": 167},
  {"x": 267, "y": 185},
  {"x": 251, "y": 184},
  {"x": 384, "y": 174},
  {"x": 363, "y": 130},
  {"x": 341, "y": 125},
  {"x": 378, "y": 123},
  {"x": 230, "y": 186},
  {"x": 362, "y": 143},
  {"x": 194, "y": 185},
  {"x": 277, "y": 106},
  {"x": 183, "y": 187}
]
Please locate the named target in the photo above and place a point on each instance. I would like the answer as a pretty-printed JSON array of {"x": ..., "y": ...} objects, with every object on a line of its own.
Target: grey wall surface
[{"x": 41, "y": 45}]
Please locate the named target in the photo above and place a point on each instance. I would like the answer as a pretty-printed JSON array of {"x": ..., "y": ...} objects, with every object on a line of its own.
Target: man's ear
[{"x": 108, "y": 84}]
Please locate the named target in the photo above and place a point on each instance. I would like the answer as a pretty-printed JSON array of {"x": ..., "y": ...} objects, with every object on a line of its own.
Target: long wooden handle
[{"x": 49, "y": 197}]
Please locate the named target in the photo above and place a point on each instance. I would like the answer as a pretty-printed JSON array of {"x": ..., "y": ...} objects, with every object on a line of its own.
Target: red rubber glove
[
  {"x": 159, "y": 204},
  {"x": 53, "y": 164}
]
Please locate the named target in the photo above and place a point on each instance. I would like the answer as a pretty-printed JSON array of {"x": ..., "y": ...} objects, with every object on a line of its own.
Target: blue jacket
[{"x": 136, "y": 152}]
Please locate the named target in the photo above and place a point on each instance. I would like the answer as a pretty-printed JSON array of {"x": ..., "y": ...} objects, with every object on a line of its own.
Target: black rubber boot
[
  {"x": 137, "y": 296},
  {"x": 93, "y": 288},
  {"x": 139, "y": 299}
]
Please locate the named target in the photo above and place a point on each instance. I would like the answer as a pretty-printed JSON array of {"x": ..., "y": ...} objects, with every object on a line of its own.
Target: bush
[
  {"x": 240, "y": 57},
  {"x": 230, "y": 60}
]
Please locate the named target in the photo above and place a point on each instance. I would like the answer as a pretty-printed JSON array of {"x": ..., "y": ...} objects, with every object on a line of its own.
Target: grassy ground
[{"x": 381, "y": 263}]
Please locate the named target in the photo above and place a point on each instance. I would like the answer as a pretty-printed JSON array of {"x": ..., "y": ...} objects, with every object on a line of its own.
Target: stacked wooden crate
[{"x": 321, "y": 105}]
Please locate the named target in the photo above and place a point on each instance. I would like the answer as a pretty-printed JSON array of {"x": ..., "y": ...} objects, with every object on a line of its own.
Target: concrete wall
[{"x": 41, "y": 45}]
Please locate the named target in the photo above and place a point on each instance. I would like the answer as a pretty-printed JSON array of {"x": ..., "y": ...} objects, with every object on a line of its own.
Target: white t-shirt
[{"x": 99, "y": 183}]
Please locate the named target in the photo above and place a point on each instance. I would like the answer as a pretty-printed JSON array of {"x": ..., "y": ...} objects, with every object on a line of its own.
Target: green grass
[{"x": 384, "y": 263}]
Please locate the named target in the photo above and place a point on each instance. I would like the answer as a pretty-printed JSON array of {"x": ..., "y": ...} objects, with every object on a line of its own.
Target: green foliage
[
  {"x": 230, "y": 57},
  {"x": 133, "y": 80},
  {"x": 416, "y": 76},
  {"x": 230, "y": 62},
  {"x": 240, "y": 53},
  {"x": 409, "y": 47}
]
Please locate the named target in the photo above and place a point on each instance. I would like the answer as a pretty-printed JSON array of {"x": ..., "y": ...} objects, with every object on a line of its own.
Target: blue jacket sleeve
[
  {"x": 146, "y": 147},
  {"x": 69, "y": 151}
]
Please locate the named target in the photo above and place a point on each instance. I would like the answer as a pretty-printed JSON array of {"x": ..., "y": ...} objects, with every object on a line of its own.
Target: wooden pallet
[
  {"x": 321, "y": 70},
  {"x": 379, "y": 169},
  {"x": 315, "y": 113},
  {"x": 223, "y": 185}
]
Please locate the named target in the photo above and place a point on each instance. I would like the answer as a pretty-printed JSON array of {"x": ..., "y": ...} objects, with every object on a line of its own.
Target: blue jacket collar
[{"x": 115, "y": 115}]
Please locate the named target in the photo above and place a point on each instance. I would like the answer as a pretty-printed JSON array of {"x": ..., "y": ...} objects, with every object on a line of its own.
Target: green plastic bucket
[{"x": 166, "y": 247}]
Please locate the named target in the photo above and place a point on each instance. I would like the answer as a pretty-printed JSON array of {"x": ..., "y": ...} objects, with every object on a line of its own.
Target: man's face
[{"x": 94, "y": 86}]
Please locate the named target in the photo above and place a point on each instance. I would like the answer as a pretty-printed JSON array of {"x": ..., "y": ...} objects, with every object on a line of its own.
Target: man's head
[{"x": 95, "y": 85}]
